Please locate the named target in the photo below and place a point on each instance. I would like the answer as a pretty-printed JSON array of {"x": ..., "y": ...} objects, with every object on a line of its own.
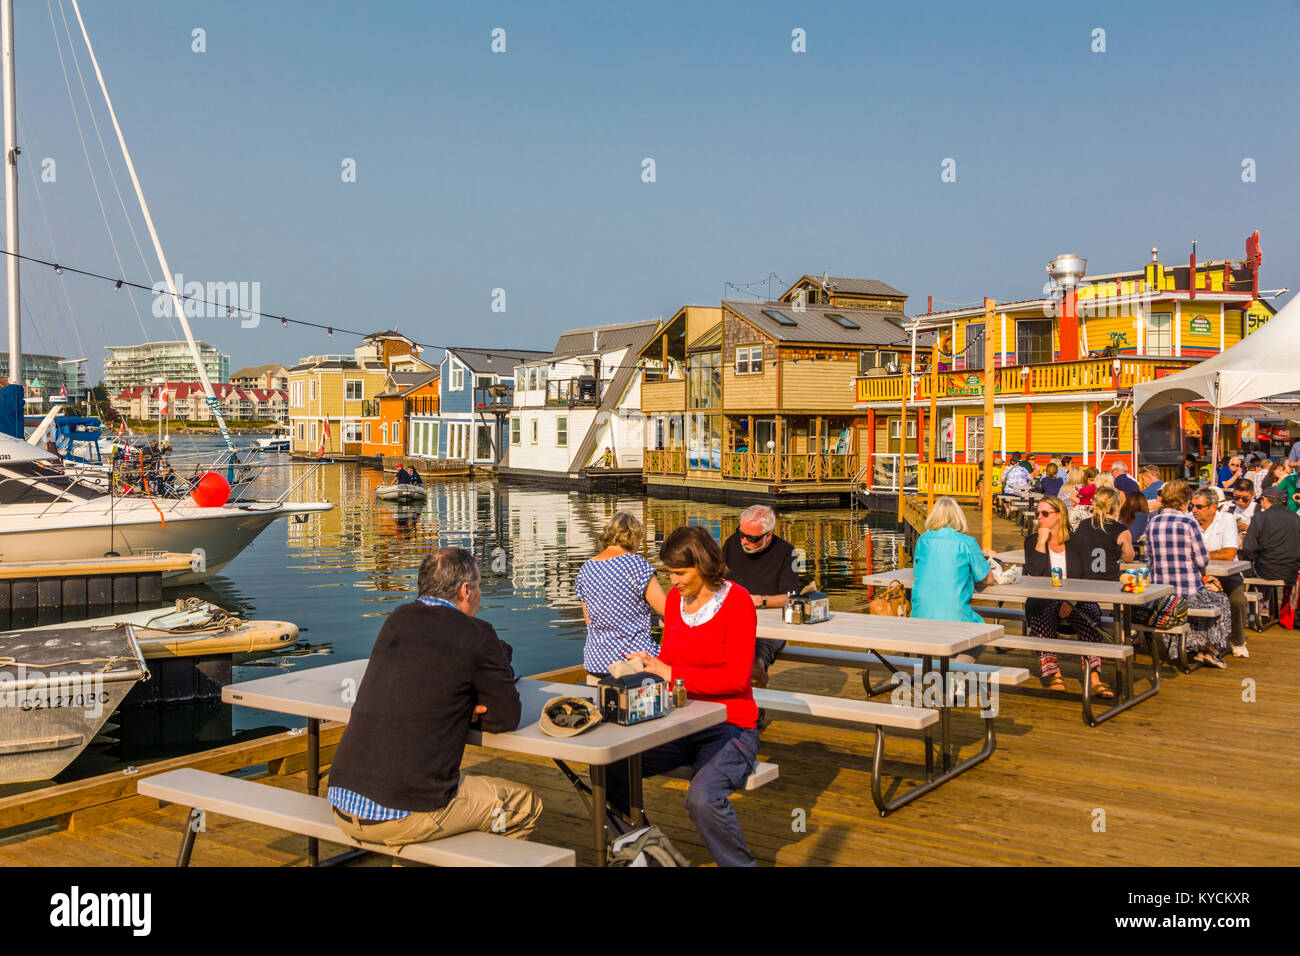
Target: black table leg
[
  {"x": 945, "y": 706},
  {"x": 929, "y": 737},
  {"x": 598, "y": 805},
  {"x": 635, "y": 791},
  {"x": 313, "y": 780}
]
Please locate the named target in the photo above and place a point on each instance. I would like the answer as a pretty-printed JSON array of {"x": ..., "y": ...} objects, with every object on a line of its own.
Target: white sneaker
[{"x": 1240, "y": 651}]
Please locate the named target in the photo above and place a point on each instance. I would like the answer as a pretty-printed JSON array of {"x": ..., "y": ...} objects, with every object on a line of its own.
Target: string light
[
  {"x": 58, "y": 269},
  {"x": 117, "y": 284}
]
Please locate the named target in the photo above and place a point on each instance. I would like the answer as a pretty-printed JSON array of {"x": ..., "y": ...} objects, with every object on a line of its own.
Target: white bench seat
[
  {"x": 764, "y": 773},
  {"x": 842, "y": 708},
  {"x": 310, "y": 816},
  {"x": 1005, "y": 676},
  {"x": 1013, "y": 642}
]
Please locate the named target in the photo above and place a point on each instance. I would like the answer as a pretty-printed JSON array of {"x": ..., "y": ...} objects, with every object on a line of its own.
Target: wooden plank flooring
[{"x": 1195, "y": 776}]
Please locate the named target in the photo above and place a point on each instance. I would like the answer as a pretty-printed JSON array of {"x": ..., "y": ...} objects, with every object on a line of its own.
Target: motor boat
[
  {"x": 278, "y": 440},
  {"x": 48, "y": 515},
  {"x": 401, "y": 493},
  {"x": 57, "y": 690}
]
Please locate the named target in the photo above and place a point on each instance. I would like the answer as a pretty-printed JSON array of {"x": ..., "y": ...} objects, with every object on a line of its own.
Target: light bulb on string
[
  {"x": 117, "y": 284},
  {"x": 58, "y": 269}
]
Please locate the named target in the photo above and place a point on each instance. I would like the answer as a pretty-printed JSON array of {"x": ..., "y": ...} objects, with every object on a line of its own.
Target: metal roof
[
  {"x": 631, "y": 335},
  {"x": 876, "y": 327},
  {"x": 850, "y": 286},
  {"x": 493, "y": 361}
]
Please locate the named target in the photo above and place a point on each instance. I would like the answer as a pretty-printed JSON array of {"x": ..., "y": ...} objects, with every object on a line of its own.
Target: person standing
[
  {"x": 1219, "y": 531},
  {"x": 1272, "y": 545},
  {"x": 1294, "y": 457},
  {"x": 762, "y": 563},
  {"x": 709, "y": 626},
  {"x": 435, "y": 669}
]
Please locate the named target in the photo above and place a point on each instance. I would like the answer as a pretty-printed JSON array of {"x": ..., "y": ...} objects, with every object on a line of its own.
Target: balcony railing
[
  {"x": 665, "y": 461},
  {"x": 493, "y": 398},
  {"x": 1087, "y": 375},
  {"x": 575, "y": 392},
  {"x": 950, "y": 478}
]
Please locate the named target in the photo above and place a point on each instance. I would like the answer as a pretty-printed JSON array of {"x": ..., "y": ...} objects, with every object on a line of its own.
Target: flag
[
  {"x": 162, "y": 401},
  {"x": 324, "y": 439},
  {"x": 63, "y": 390}
]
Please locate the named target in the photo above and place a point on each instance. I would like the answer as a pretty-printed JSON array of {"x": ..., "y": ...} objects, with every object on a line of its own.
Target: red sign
[
  {"x": 1265, "y": 434},
  {"x": 1281, "y": 434}
]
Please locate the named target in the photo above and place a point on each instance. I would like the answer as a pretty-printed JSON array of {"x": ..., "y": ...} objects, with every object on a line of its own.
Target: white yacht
[
  {"x": 278, "y": 440},
  {"x": 46, "y": 515}
]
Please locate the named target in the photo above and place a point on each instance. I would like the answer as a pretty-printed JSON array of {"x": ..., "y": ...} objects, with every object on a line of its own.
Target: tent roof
[{"x": 1266, "y": 362}]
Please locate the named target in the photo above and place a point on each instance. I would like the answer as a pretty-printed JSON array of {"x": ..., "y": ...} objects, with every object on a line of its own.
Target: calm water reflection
[{"x": 338, "y": 574}]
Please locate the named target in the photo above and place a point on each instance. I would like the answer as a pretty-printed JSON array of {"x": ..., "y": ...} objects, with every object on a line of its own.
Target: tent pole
[{"x": 1214, "y": 435}]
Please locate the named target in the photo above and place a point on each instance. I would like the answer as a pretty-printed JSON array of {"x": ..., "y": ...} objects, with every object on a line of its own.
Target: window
[
  {"x": 842, "y": 321},
  {"x": 521, "y": 379},
  {"x": 397, "y": 433},
  {"x": 483, "y": 381},
  {"x": 1034, "y": 342},
  {"x": 354, "y": 389},
  {"x": 352, "y": 431},
  {"x": 315, "y": 426},
  {"x": 313, "y": 389},
  {"x": 704, "y": 442},
  {"x": 911, "y": 428},
  {"x": 383, "y": 434},
  {"x": 704, "y": 380},
  {"x": 302, "y": 432},
  {"x": 1109, "y": 433},
  {"x": 514, "y": 431},
  {"x": 457, "y": 378},
  {"x": 562, "y": 432},
  {"x": 780, "y": 318},
  {"x": 532, "y": 378},
  {"x": 974, "y": 439},
  {"x": 534, "y": 433},
  {"x": 1160, "y": 333},
  {"x": 295, "y": 394},
  {"x": 895, "y": 428},
  {"x": 367, "y": 432},
  {"x": 749, "y": 360},
  {"x": 483, "y": 451},
  {"x": 974, "y": 345}
]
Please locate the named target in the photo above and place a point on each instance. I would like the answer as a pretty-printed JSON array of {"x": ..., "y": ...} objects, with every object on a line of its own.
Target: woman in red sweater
[{"x": 709, "y": 629}]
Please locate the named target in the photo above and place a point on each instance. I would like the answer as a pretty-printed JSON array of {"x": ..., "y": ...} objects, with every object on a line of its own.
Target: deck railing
[
  {"x": 1087, "y": 375},
  {"x": 665, "y": 461},
  {"x": 949, "y": 478}
]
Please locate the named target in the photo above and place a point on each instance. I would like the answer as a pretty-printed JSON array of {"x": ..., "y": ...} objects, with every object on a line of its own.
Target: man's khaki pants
[{"x": 489, "y": 804}]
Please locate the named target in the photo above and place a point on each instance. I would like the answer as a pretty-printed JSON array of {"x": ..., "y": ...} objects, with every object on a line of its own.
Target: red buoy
[{"x": 212, "y": 491}]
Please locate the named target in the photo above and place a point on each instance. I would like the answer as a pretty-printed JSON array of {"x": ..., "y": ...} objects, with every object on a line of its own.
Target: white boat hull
[{"x": 221, "y": 533}]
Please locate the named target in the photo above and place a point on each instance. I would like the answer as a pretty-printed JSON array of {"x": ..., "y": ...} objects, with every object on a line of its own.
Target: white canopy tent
[{"x": 1264, "y": 363}]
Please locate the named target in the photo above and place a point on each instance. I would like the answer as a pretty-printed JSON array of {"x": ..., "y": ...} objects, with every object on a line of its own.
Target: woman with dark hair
[
  {"x": 1134, "y": 514},
  {"x": 708, "y": 642},
  {"x": 1052, "y": 547}
]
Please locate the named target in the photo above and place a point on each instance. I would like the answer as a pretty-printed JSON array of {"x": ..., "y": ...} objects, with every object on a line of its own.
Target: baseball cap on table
[{"x": 568, "y": 716}]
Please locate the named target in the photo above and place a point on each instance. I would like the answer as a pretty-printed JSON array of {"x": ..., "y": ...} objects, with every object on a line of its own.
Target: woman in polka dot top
[{"x": 618, "y": 590}]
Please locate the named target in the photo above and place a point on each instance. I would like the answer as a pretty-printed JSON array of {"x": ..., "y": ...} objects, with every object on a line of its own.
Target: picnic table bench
[{"x": 310, "y": 816}]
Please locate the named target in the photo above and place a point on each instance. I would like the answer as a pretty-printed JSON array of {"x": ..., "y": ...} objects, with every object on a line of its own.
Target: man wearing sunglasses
[
  {"x": 1241, "y": 506},
  {"x": 762, "y": 563},
  {"x": 1219, "y": 531}
]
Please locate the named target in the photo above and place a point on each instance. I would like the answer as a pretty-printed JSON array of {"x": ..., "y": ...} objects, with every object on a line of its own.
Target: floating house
[
  {"x": 575, "y": 415},
  {"x": 1064, "y": 365}
]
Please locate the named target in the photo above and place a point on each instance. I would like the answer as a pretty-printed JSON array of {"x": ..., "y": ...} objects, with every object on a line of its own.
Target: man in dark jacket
[
  {"x": 433, "y": 671},
  {"x": 1273, "y": 545},
  {"x": 762, "y": 563}
]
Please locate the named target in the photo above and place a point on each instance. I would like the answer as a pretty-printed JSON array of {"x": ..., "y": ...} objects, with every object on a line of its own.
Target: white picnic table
[
  {"x": 931, "y": 641},
  {"x": 327, "y": 693}
]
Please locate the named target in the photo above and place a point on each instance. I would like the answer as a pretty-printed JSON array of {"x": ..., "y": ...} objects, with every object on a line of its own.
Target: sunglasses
[
  {"x": 1047, "y": 513},
  {"x": 754, "y": 538},
  {"x": 1202, "y": 507}
]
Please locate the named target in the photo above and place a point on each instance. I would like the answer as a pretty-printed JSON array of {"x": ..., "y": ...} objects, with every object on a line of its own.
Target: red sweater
[{"x": 715, "y": 659}]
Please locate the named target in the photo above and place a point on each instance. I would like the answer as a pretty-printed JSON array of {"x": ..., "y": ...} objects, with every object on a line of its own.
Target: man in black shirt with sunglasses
[{"x": 764, "y": 565}]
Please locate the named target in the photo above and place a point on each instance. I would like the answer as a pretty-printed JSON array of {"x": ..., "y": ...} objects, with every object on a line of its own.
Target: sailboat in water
[{"x": 47, "y": 514}]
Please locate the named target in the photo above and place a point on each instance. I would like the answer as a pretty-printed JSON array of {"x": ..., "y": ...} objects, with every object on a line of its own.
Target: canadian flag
[
  {"x": 324, "y": 439},
  {"x": 63, "y": 391},
  {"x": 162, "y": 400}
]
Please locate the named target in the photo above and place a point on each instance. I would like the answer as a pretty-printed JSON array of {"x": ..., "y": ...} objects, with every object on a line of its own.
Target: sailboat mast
[
  {"x": 11, "y": 193},
  {"x": 211, "y": 394}
]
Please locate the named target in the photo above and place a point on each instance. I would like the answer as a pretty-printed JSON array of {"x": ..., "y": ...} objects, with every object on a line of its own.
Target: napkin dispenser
[{"x": 634, "y": 698}]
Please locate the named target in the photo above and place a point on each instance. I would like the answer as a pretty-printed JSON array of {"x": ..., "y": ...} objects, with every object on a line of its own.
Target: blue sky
[{"x": 522, "y": 170}]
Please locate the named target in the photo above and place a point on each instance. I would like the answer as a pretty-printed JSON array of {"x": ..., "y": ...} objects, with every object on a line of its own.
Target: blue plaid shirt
[
  {"x": 1176, "y": 551},
  {"x": 353, "y": 803}
]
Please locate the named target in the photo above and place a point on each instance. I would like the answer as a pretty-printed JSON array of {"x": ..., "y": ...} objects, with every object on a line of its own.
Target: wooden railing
[
  {"x": 1087, "y": 375},
  {"x": 949, "y": 478},
  {"x": 825, "y": 467},
  {"x": 665, "y": 461},
  {"x": 667, "y": 396}
]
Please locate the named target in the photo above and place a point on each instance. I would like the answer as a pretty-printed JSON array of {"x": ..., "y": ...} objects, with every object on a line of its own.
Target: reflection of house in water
[{"x": 549, "y": 535}]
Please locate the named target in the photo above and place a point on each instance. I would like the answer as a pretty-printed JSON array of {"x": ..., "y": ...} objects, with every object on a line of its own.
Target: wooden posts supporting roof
[
  {"x": 902, "y": 439},
  {"x": 934, "y": 421},
  {"x": 986, "y": 486}
]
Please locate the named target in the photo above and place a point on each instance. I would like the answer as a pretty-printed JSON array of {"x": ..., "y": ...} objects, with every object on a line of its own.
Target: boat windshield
[{"x": 38, "y": 482}]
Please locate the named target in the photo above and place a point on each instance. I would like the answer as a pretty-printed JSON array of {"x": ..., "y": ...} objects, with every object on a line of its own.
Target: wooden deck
[{"x": 1195, "y": 776}]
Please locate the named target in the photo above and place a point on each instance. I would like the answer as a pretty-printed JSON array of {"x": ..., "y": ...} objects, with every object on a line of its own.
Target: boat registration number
[{"x": 45, "y": 702}]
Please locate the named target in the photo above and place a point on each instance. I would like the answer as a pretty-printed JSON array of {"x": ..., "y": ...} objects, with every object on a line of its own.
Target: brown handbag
[{"x": 893, "y": 603}]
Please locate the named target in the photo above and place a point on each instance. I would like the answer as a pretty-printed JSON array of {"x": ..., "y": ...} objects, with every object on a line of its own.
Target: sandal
[
  {"x": 1101, "y": 690},
  {"x": 1054, "y": 682}
]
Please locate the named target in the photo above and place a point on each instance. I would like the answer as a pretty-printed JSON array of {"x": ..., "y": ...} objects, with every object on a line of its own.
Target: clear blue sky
[{"x": 522, "y": 170}]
